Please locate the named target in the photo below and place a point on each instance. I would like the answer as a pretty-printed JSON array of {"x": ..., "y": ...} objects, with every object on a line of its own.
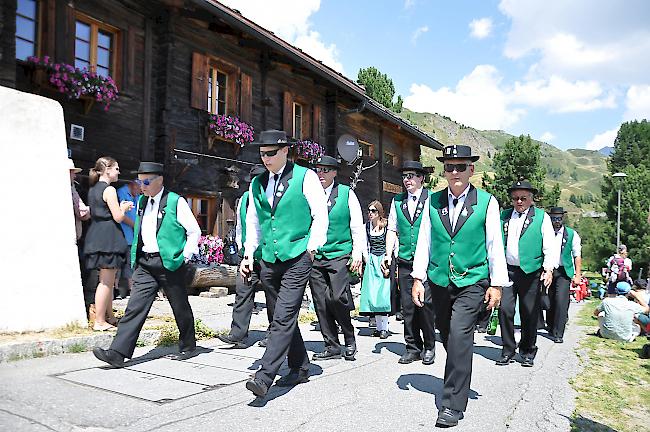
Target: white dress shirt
[
  {"x": 315, "y": 196},
  {"x": 411, "y": 204},
  {"x": 516, "y": 225},
  {"x": 238, "y": 232},
  {"x": 357, "y": 227},
  {"x": 493, "y": 241},
  {"x": 184, "y": 216},
  {"x": 576, "y": 246}
]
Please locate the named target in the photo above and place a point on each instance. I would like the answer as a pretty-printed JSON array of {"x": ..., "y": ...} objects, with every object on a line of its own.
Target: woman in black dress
[{"x": 105, "y": 248}]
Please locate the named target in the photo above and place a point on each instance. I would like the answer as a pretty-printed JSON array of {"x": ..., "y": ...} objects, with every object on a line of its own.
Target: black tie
[
  {"x": 151, "y": 202},
  {"x": 455, "y": 202},
  {"x": 414, "y": 197},
  {"x": 275, "y": 180}
]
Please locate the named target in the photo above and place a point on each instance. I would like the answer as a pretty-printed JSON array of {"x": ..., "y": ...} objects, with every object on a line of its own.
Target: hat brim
[
  {"x": 558, "y": 213},
  {"x": 336, "y": 167},
  {"x": 471, "y": 158},
  {"x": 288, "y": 143},
  {"x": 76, "y": 170},
  {"x": 533, "y": 190}
]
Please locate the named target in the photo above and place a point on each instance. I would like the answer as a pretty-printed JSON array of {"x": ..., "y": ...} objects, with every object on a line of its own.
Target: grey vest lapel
[
  {"x": 529, "y": 220},
  {"x": 443, "y": 211},
  {"x": 467, "y": 210},
  {"x": 281, "y": 189},
  {"x": 333, "y": 196}
]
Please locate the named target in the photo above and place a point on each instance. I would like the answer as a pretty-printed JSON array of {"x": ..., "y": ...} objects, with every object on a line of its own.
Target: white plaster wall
[{"x": 40, "y": 282}]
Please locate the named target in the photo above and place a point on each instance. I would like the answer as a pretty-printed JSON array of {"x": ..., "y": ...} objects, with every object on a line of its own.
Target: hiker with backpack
[{"x": 619, "y": 267}]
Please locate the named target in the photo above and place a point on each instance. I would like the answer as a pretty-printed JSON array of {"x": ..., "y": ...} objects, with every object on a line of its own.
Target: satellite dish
[{"x": 348, "y": 147}]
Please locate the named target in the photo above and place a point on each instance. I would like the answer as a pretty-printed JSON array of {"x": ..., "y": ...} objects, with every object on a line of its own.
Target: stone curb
[{"x": 47, "y": 347}]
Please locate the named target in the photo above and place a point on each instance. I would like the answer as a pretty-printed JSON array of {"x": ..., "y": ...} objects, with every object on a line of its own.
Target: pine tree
[{"x": 379, "y": 87}]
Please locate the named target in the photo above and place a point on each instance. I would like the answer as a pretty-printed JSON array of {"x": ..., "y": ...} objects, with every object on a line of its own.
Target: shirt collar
[
  {"x": 560, "y": 231},
  {"x": 328, "y": 190},
  {"x": 279, "y": 173},
  {"x": 416, "y": 193},
  {"x": 522, "y": 214},
  {"x": 158, "y": 195},
  {"x": 462, "y": 195}
]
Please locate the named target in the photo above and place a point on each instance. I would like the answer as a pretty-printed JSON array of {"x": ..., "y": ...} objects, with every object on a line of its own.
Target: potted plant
[
  {"x": 308, "y": 151},
  {"x": 230, "y": 129}
]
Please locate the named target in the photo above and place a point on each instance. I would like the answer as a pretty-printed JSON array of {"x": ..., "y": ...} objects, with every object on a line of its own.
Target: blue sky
[{"x": 565, "y": 72}]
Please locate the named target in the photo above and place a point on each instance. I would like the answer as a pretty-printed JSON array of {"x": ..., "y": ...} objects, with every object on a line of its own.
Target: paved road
[{"x": 73, "y": 392}]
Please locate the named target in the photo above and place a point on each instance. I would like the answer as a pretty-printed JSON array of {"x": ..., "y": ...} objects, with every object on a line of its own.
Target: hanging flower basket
[
  {"x": 230, "y": 129},
  {"x": 308, "y": 150},
  {"x": 75, "y": 83}
]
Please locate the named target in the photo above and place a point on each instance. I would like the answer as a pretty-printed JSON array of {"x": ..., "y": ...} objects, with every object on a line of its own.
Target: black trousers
[
  {"x": 419, "y": 324},
  {"x": 284, "y": 283},
  {"x": 242, "y": 309},
  {"x": 560, "y": 295},
  {"x": 330, "y": 286},
  {"x": 148, "y": 277},
  {"x": 526, "y": 287},
  {"x": 456, "y": 312}
]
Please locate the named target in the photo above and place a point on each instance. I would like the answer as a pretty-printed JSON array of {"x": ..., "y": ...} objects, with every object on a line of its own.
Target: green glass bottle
[{"x": 494, "y": 322}]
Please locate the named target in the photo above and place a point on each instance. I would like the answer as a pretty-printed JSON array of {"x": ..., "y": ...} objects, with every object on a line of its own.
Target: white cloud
[
  {"x": 605, "y": 139},
  {"x": 581, "y": 39},
  {"x": 561, "y": 96},
  {"x": 637, "y": 103},
  {"x": 547, "y": 137},
  {"x": 418, "y": 32},
  {"x": 479, "y": 100},
  {"x": 290, "y": 20},
  {"x": 480, "y": 28},
  {"x": 408, "y": 4}
]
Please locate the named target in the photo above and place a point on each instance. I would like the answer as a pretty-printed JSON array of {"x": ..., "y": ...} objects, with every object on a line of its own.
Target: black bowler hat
[
  {"x": 522, "y": 185},
  {"x": 411, "y": 165},
  {"x": 457, "y": 152},
  {"x": 557, "y": 210},
  {"x": 150, "y": 168},
  {"x": 272, "y": 138},
  {"x": 254, "y": 172},
  {"x": 328, "y": 161}
]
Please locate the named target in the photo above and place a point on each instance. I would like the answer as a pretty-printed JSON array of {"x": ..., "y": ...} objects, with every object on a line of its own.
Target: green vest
[
  {"x": 171, "y": 236},
  {"x": 458, "y": 257},
  {"x": 339, "y": 235},
  {"x": 531, "y": 256},
  {"x": 243, "y": 209},
  {"x": 566, "y": 255},
  {"x": 285, "y": 225},
  {"x": 407, "y": 231}
]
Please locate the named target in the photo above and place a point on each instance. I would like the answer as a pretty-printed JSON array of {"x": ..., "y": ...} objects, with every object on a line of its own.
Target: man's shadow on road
[
  {"x": 427, "y": 384},
  {"x": 394, "y": 347}
]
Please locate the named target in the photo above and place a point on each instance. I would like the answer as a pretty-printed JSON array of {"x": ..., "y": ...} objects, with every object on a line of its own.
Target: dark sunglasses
[
  {"x": 269, "y": 153},
  {"x": 373, "y": 211},
  {"x": 409, "y": 176},
  {"x": 520, "y": 198},
  {"x": 456, "y": 167},
  {"x": 556, "y": 218},
  {"x": 146, "y": 182},
  {"x": 323, "y": 170}
]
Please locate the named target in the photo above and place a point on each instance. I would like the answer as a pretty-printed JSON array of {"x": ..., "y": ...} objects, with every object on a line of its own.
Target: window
[
  {"x": 26, "y": 28},
  {"x": 390, "y": 158},
  {"x": 94, "y": 47},
  {"x": 203, "y": 209},
  {"x": 297, "y": 121},
  {"x": 217, "y": 91},
  {"x": 367, "y": 149}
]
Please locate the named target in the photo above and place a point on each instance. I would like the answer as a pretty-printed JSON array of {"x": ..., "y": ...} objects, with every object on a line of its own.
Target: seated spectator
[
  {"x": 616, "y": 314},
  {"x": 641, "y": 296}
]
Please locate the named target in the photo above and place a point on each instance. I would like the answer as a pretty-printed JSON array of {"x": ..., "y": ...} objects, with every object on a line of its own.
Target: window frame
[
  {"x": 232, "y": 83},
  {"x": 369, "y": 146},
  {"x": 393, "y": 158},
  {"x": 301, "y": 121},
  {"x": 38, "y": 36},
  {"x": 213, "y": 85},
  {"x": 95, "y": 26},
  {"x": 194, "y": 201}
]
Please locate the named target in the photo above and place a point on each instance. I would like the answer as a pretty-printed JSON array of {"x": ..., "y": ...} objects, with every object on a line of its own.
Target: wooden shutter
[
  {"x": 287, "y": 114},
  {"x": 315, "y": 123},
  {"x": 199, "y": 98},
  {"x": 246, "y": 110},
  {"x": 232, "y": 95}
]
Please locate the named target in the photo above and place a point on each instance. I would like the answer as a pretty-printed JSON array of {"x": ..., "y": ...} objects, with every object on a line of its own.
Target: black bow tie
[
  {"x": 455, "y": 202},
  {"x": 151, "y": 202}
]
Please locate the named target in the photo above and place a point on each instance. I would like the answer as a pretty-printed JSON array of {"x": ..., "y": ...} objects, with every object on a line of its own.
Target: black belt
[{"x": 148, "y": 255}]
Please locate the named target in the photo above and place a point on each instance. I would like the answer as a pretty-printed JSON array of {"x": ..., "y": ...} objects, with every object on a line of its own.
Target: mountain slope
[{"x": 579, "y": 172}]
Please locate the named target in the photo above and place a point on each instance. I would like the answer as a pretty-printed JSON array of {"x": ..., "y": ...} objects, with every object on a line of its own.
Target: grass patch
[
  {"x": 613, "y": 385},
  {"x": 78, "y": 348},
  {"x": 169, "y": 333}
]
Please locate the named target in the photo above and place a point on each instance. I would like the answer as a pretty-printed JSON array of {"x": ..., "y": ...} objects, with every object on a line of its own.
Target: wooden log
[{"x": 214, "y": 276}]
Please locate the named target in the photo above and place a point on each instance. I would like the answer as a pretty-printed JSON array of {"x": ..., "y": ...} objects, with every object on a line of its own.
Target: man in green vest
[
  {"x": 287, "y": 219},
  {"x": 403, "y": 226},
  {"x": 460, "y": 251},
  {"x": 528, "y": 238},
  {"x": 329, "y": 280},
  {"x": 568, "y": 265},
  {"x": 165, "y": 237},
  {"x": 242, "y": 309}
]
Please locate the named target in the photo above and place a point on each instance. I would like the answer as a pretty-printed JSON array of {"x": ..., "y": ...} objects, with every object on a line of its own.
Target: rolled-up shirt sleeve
[
  {"x": 576, "y": 245},
  {"x": 548, "y": 235},
  {"x": 253, "y": 229},
  {"x": 357, "y": 227},
  {"x": 238, "y": 232},
  {"x": 315, "y": 195},
  {"x": 192, "y": 230},
  {"x": 494, "y": 245},
  {"x": 423, "y": 247},
  {"x": 392, "y": 217}
]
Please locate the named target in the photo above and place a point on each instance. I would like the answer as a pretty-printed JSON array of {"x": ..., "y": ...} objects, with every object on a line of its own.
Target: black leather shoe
[
  {"x": 263, "y": 343},
  {"x": 257, "y": 387},
  {"x": 481, "y": 329},
  {"x": 408, "y": 357},
  {"x": 399, "y": 316},
  {"x": 527, "y": 362},
  {"x": 295, "y": 377},
  {"x": 384, "y": 334},
  {"x": 428, "y": 357},
  {"x": 183, "y": 355},
  {"x": 109, "y": 356},
  {"x": 558, "y": 340},
  {"x": 376, "y": 333},
  {"x": 239, "y": 344},
  {"x": 505, "y": 360},
  {"x": 448, "y": 417},
  {"x": 328, "y": 354},
  {"x": 350, "y": 352}
]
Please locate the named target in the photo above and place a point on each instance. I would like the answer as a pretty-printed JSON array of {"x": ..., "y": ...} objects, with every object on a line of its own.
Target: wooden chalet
[{"x": 177, "y": 61}]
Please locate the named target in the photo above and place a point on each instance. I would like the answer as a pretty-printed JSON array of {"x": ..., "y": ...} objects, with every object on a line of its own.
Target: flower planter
[{"x": 218, "y": 139}]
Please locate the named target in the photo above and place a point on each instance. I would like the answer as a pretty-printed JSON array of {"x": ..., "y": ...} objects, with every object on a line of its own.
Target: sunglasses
[
  {"x": 520, "y": 198},
  {"x": 409, "y": 176},
  {"x": 269, "y": 153},
  {"x": 456, "y": 167},
  {"x": 373, "y": 211},
  {"x": 323, "y": 170},
  {"x": 146, "y": 182},
  {"x": 556, "y": 218}
]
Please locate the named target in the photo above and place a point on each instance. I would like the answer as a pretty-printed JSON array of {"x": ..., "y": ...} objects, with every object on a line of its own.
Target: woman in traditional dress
[
  {"x": 376, "y": 286},
  {"x": 105, "y": 248}
]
